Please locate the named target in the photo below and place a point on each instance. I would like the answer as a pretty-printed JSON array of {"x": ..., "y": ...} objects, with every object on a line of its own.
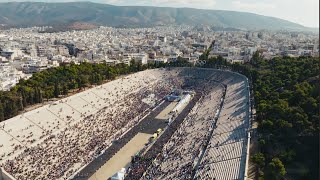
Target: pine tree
[
  {"x": 21, "y": 107},
  {"x": 24, "y": 98},
  {"x": 56, "y": 90},
  {"x": 1, "y": 113},
  {"x": 65, "y": 90},
  {"x": 40, "y": 95},
  {"x": 35, "y": 96}
]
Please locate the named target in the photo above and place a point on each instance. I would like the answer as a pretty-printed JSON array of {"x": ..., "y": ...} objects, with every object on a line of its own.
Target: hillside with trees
[{"x": 287, "y": 96}]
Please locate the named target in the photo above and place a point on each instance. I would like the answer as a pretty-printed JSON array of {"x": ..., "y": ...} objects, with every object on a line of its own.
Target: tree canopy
[{"x": 287, "y": 96}]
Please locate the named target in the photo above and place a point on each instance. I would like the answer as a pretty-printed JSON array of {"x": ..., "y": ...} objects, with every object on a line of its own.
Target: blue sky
[{"x": 305, "y": 12}]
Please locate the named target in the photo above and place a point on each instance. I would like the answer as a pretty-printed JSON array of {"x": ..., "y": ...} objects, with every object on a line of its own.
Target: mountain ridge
[{"x": 23, "y": 14}]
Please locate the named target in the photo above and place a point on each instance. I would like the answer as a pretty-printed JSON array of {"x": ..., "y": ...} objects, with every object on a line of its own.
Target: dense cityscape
[{"x": 26, "y": 51}]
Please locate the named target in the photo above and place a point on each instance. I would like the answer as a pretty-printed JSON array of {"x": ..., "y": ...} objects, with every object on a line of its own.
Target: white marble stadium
[{"x": 56, "y": 140}]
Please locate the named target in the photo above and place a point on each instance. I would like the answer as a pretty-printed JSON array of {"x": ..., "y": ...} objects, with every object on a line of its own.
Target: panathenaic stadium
[{"x": 174, "y": 123}]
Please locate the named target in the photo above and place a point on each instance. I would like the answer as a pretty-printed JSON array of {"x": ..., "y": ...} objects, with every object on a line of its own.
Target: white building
[{"x": 138, "y": 57}]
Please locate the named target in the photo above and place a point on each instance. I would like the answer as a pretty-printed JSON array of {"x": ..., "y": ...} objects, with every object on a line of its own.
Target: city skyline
[{"x": 306, "y": 14}]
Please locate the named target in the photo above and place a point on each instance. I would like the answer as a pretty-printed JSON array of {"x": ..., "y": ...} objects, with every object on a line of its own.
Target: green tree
[
  {"x": 65, "y": 89},
  {"x": 1, "y": 113},
  {"x": 276, "y": 169},
  {"x": 56, "y": 90},
  {"x": 256, "y": 58},
  {"x": 259, "y": 159}
]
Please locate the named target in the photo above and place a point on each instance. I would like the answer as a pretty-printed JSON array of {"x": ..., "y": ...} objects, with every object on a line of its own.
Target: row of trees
[{"x": 60, "y": 81}]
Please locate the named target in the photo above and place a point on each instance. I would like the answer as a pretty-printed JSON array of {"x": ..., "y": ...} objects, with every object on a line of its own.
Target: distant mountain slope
[{"x": 36, "y": 13}]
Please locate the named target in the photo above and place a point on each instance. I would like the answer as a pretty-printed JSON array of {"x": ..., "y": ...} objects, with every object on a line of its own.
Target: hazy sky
[{"x": 305, "y": 12}]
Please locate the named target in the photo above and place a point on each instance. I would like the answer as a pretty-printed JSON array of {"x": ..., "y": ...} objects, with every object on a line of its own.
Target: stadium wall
[{"x": 247, "y": 158}]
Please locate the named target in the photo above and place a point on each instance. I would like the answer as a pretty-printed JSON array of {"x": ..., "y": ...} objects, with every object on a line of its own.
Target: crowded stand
[
  {"x": 177, "y": 156},
  {"x": 211, "y": 138},
  {"x": 56, "y": 140},
  {"x": 206, "y": 141},
  {"x": 225, "y": 156}
]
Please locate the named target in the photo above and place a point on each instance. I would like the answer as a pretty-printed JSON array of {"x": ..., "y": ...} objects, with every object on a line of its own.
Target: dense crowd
[
  {"x": 212, "y": 133},
  {"x": 140, "y": 164},
  {"x": 61, "y": 154},
  {"x": 173, "y": 146},
  {"x": 176, "y": 161},
  {"x": 225, "y": 155},
  {"x": 175, "y": 154}
]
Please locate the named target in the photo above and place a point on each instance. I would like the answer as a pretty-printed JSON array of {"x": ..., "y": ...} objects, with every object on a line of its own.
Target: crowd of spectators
[
  {"x": 177, "y": 152},
  {"x": 176, "y": 161},
  {"x": 225, "y": 156},
  {"x": 210, "y": 139},
  {"x": 59, "y": 155}
]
